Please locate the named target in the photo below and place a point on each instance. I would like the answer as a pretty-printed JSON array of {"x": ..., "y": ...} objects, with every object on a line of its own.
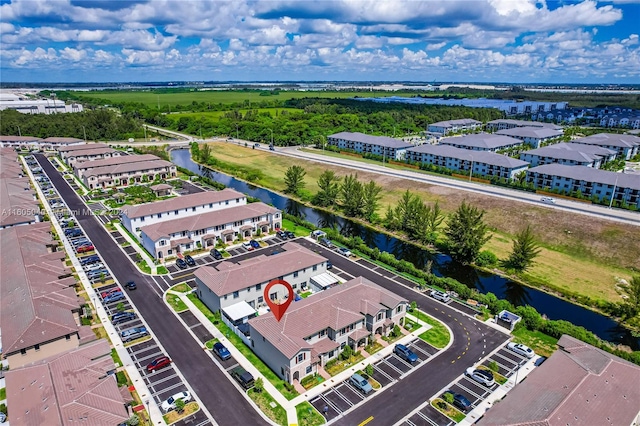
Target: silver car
[
  {"x": 484, "y": 377},
  {"x": 521, "y": 349}
]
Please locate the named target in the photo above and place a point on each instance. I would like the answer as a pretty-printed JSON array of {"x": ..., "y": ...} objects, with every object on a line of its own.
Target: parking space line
[
  {"x": 164, "y": 379},
  {"x": 480, "y": 398},
  {"x": 392, "y": 366},
  {"x": 344, "y": 398},
  {"x": 168, "y": 389},
  {"x": 327, "y": 402},
  {"x": 500, "y": 365},
  {"x": 424, "y": 416},
  {"x": 232, "y": 367},
  {"x": 419, "y": 349},
  {"x": 153, "y": 355},
  {"x": 381, "y": 371},
  {"x": 512, "y": 361}
]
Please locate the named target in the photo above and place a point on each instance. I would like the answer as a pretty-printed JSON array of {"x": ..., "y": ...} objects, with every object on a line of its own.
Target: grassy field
[
  {"x": 581, "y": 254},
  {"x": 151, "y": 98},
  {"x": 308, "y": 415},
  {"x": 217, "y": 114}
]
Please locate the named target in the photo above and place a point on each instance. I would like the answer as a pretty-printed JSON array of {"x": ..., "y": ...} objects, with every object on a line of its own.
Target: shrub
[
  {"x": 133, "y": 420},
  {"x": 346, "y": 352},
  {"x": 486, "y": 258}
]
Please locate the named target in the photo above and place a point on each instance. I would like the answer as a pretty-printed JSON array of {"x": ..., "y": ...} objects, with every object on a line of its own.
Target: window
[
  {"x": 323, "y": 332},
  {"x": 308, "y": 370},
  {"x": 37, "y": 347},
  {"x": 226, "y": 203},
  {"x": 399, "y": 309},
  {"x": 236, "y": 294},
  {"x": 225, "y": 296},
  {"x": 315, "y": 267},
  {"x": 295, "y": 274},
  {"x": 294, "y": 286},
  {"x": 175, "y": 212},
  {"x": 332, "y": 353},
  {"x": 68, "y": 337},
  {"x": 210, "y": 205},
  {"x": 260, "y": 299},
  {"x": 258, "y": 286},
  {"x": 253, "y": 343},
  {"x": 142, "y": 219},
  {"x": 380, "y": 316},
  {"x": 169, "y": 252},
  {"x": 23, "y": 351},
  {"x": 159, "y": 215},
  {"x": 163, "y": 242},
  {"x": 300, "y": 358},
  {"x": 273, "y": 296}
]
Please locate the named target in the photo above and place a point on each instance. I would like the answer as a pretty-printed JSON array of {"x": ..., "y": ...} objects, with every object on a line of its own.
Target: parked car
[
  {"x": 282, "y": 234},
  {"x": 440, "y": 295},
  {"x": 538, "y": 362},
  {"x": 85, "y": 249},
  {"x": 360, "y": 383},
  {"x": 3, "y": 417},
  {"x": 81, "y": 242},
  {"x": 548, "y": 200},
  {"x": 247, "y": 246},
  {"x": 521, "y": 349},
  {"x": 215, "y": 254},
  {"x": 290, "y": 235},
  {"x": 114, "y": 297},
  {"x": 133, "y": 334},
  {"x": 189, "y": 260},
  {"x": 181, "y": 264},
  {"x": 89, "y": 259},
  {"x": 131, "y": 285},
  {"x": 405, "y": 353},
  {"x": 256, "y": 145},
  {"x": 484, "y": 377},
  {"x": 329, "y": 264},
  {"x": 110, "y": 292},
  {"x": 254, "y": 244},
  {"x": 170, "y": 404},
  {"x": 98, "y": 273},
  {"x": 221, "y": 350},
  {"x": 158, "y": 363},
  {"x": 325, "y": 242},
  {"x": 94, "y": 266},
  {"x": 70, "y": 231},
  {"x": 119, "y": 317},
  {"x": 344, "y": 251},
  {"x": 243, "y": 377},
  {"x": 459, "y": 401}
]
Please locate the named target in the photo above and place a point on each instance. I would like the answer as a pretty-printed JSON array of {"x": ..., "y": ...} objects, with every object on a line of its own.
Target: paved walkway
[
  {"x": 290, "y": 405},
  {"x": 134, "y": 244}
]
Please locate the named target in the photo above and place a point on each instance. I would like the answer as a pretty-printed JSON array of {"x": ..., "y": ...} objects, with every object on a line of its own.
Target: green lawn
[
  {"x": 116, "y": 358},
  {"x": 181, "y": 288},
  {"x": 300, "y": 231},
  {"x": 162, "y": 270},
  {"x": 3, "y": 394},
  {"x": 338, "y": 365},
  {"x": 308, "y": 415},
  {"x": 448, "y": 410},
  {"x": 266, "y": 402},
  {"x": 541, "y": 343},
  {"x": 280, "y": 384},
  {"x": 438, "y": 336},
  {"x": 218, "y": 114},
  {"x": 176, "y": 303},
  {"x": 210, "y": 343}
]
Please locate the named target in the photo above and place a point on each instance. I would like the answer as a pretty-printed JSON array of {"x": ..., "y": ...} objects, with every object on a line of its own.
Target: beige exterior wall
[{"x": 46, "y": 350}]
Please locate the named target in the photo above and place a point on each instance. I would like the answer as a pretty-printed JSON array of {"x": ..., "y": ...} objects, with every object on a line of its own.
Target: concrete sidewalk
[{"x": 134, "y": 244}]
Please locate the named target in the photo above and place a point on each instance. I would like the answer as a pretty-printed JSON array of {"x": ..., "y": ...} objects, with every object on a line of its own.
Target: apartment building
[
  {"x": 80, "y": 169},
  {"x": 135, "y": 217},
  {"x": 454, "y": 126},
  {"x": 205, "y": 230},
  {"x": 122, "y": 174},
  {"x": 509, "y": 123},
  {"x": 590, "y": 182},
  {"x": 571, "y": 154},
  {"x": 39, "y": 308},
  {"x": 20, "y": 142},
  {"x": 383, "y": 146},
  {"x": 627, "y": 146},
  {"x": 227, "y": 284},
  {"x": 77, "y": 386},
  {"x": 533, "y": 136},
  {"x": 18, "y": 201},
  {"x": 483, "y": 163},
  {"x": 316, "y": 329},
  {"x": 482, "y": 142},
  {"x": 65, "y": 151},
  {"x": 75, "y": 157}
]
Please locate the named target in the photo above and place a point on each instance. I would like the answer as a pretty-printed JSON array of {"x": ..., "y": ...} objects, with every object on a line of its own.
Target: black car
[
  {"x": 282, "y": 235},
  {"x": 290, "y": 235},
  {"x": 216, "y": 254},
  {"x": 190, "y": 260},
  {"x": 94, "y": 258},
  {"x": 131, "y": 285},
  {"x": 329, "y": 264},
  {"x": 122, "y": 317},
  {"x": 181, "y": 264},
  {"x": 459, "y": 401},
  {"x": 243, "y": 377}
]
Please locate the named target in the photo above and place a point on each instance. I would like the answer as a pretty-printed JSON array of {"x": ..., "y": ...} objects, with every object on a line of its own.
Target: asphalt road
[{"x": 214, "y": 389}]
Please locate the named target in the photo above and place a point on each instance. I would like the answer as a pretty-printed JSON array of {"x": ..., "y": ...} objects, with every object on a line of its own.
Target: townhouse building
[
  {"x": 77, "y": 386},
  {"x": 509, "y": 123},
  {"x": 75, "y": 157},
  {"x": 627, "y": 146},
  {"x": 119, "y": 174},
  {"x": 205, "y": 230},
  {"x": 18, "y": 201},
  {"x": 39, "y": 308},
  {"x": 532, "y": 136},
  {"x": 571, "y": 154},
  {"x": 454, "y": 126},
  {"x": 314, "y": 330},
  {"x": 483, "y": 163},
  {"x": 601, "y": 184},
  {"x": 19, "y": 142},
  {"x": 67, "y": 150},
  {"x": 227, "y": 284},
  {"x": 135, "y": 217},
  {"x": 630, "y": 121},
  {"x": 482, "y": 142},
  {"x": 80, "y": 169},
  {"x": 366, "y": 144}
]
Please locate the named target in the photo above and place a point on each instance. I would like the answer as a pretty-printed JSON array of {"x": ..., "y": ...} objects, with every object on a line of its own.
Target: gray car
[
  {"x": 360, "y": 383},
  {"x": 484, "y": 377}
]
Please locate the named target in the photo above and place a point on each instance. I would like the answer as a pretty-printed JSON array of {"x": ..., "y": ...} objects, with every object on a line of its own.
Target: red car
[
  {"x": 158, "y": 363},
  {"x": 85, "y": 249},
  {"x": 109, "y": 292}
]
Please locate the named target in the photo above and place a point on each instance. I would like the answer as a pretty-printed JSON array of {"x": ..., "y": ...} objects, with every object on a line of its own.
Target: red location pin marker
[{"x": 278, "y": 309}]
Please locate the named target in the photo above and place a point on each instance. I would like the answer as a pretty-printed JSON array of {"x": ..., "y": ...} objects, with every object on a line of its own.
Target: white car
[
  {"x": 170, "y": 404},
  {"x": 484, "y": 377},
  {"x": 548, "y": 200},
  {"x": 344, "y": 251},
  {"x": 440, "y": 295},
  {"x": 521, "y": 349},
  {"x": 94, "y": 267}
]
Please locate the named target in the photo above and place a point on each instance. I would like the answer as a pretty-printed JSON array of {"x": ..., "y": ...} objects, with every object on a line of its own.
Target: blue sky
[{"x": 391, "y": 40}]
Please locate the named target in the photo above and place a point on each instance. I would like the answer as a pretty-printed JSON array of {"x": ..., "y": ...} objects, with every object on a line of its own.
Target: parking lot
[{"x": 386, "y": 371}]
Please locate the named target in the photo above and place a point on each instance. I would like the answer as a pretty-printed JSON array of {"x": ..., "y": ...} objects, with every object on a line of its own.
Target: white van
[{"x": 548, "y": 200}]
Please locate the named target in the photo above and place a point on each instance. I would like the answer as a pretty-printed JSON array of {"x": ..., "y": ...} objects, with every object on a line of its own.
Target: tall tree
[
  {"x": 294, "y": 179},
  {"x": 205, "y": 153},
  {"x": 632, "y": 291},
  {"x": 466, "y": 233},
  {"x": 329, "y": 185},
  {"x": 352, "y": 195},
  {"x": 370, "y": 199},
  {"x": 525, "y": 249}
]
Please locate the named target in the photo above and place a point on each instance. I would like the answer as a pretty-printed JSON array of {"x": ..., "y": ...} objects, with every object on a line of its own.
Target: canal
[{"x": 442, "y": 265}]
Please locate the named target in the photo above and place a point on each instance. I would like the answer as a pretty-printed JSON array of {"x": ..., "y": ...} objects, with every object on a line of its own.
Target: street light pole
[
  {"x": 148, "y": 412},
  {"x": 271, "y": 130},
  {"x": 145, "y": 132},
  {"x": 613, "y": 193},
  {"x": 471, "y": 168},
  {"x": 236, "y": 130},
  {"x": 19, "y": 132},
  {"x": 85, "y": 134}
]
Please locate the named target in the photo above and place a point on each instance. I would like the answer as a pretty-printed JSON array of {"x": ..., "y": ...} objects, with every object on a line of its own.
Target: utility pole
[
  {"x": 85, "y": 134},
  {"x": 613, "y": 193},
  {"x": 471, "y": 168}
]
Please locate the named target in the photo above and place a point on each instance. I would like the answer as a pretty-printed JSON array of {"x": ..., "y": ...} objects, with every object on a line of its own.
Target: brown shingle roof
[
  {"x": 228, "y": 277},
  {"x": 11, "y": 138},
  {"x": 183, "y": 202},
  {"x": 35, "y": 303},
  {"x": 123, "y": 159},
  {"x": 120, "y": 167},
  {"x": 55, "y": 139},
  {"x": 336, "y": 307},
  {"x": 16, "y": 196},
  {"x": 93, "y": 151},
  {"x": 69, "y": 388},
  {"x": 208, "y": 220},
  {"x": 579, "y": 384},
  {"x": 81, "y": 147}
]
